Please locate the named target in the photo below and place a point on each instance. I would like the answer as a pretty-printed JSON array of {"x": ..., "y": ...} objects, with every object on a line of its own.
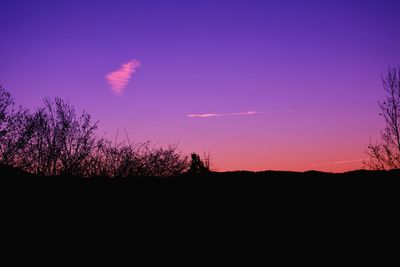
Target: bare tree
[
  {"x": 99, "y": 162},
  {"x": 118, "y": 159},
  {"x": 55, "y": 140},
  {"x": 42, "y": 151},
  {"x": 125, "y": 159},
  {"x": 160, "y": 162},
  {"x": 6, "y": 126},
  {"x": 386, "y": 154},
  {"x": 6, "y": 102},
  {"x": 16, "y": 129},
  {"x": 61, "y": 141}
]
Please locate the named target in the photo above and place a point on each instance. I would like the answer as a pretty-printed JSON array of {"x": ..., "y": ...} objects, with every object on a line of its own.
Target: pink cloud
[
  {"x": 208, "y": 115},
  {"x": 120, "y": 78}
]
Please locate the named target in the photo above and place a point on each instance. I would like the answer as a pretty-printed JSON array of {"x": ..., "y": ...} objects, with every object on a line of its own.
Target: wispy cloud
[
  {"x": 348, "y": 161},
  {"x": 208, "y": 115},
  {"x": 338, "y": 162},
  {"x": 248, "y": 113},
  {"x": 120, "y": 78}
]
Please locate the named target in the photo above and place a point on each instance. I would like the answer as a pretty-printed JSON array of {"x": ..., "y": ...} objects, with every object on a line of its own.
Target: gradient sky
[{"x": 282, "y": 85}]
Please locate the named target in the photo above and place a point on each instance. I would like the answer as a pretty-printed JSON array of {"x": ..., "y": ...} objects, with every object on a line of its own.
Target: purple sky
[{"x": 290, "y": 85}]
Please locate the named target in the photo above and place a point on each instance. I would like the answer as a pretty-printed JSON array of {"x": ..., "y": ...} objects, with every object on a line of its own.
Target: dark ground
[
  {"x": 281, "y": 197},
  {"x": 275, "y": 185},
  {"x": 291, "y": 216}
]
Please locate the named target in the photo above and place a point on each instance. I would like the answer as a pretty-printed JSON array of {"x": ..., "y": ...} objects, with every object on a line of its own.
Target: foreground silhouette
[
  {"x": 55, "y": 140},
  {"x": 385, "y": 154},
  {"x": 17, "y": 182},
  {"x": 274, "y": 207}
]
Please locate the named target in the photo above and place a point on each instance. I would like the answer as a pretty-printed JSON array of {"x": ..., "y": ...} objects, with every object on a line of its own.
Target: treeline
[{"x": 55, "y": 140}]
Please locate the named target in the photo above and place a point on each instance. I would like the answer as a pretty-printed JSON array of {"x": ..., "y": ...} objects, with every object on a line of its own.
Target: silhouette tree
[
  {"x": 6, "y": 108},
  {"x": 161, "y": 162},
  {"x": 6, "y": 102},
  {"x": 199, "y": 166},
  {"x": 114, "y": 160},
  {"x": 61, "y": 141},
  {"x": 386, "y": 154},
  {"x": 55, "y": 140},
  {"x": 15, "y": 129},
  {"x": 135, "y": 160}
]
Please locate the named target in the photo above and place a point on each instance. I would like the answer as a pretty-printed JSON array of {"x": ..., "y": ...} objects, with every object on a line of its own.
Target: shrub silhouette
[
  {"x": 54, "y": 140},
  {"x": 61, "y": 140},
  {"x": 198, "y": 166},
  {"x": 138, "y": 160}
]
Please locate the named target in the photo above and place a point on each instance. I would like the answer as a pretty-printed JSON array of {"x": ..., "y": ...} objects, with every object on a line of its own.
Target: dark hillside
[
  {"x": 233, "y": 184},
  {"x": 284, "y": 204}
]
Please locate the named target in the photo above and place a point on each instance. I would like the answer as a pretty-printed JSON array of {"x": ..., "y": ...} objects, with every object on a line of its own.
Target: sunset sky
[{"x": 281, "y": 85}]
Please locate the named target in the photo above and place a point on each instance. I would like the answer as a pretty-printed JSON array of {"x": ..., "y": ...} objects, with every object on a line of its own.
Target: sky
[{"x": 260, "y": 85}]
